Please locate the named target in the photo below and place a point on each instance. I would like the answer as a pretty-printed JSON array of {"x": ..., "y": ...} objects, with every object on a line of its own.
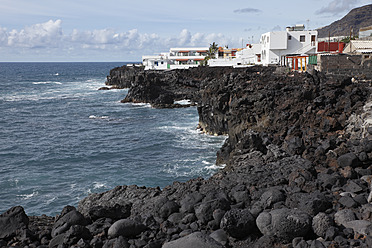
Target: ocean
[{"x": 61, "y": 138}]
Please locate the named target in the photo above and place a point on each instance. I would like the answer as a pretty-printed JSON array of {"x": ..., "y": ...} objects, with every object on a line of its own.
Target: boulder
[
  {"x": 196, "y": 239},
  {"x": 285, "y": 223},
  {"x": 113, "y": 212},
  {"x": 344, "y": 216},
  {"x": 12, "y": 220},
  {"x": 360, "y": 226},
  {"x": 271, "y": 197},
  {"x": 220, "y": 236},
  {"x": 75, "y": 233},
  {"x": 321, "y": 222},
  {"x": 238, "y": 223},
  {"x": 189, "y": 201},
  {"x": 213, "y": 201},
  {"x": 311, "y": 203},
  {"x": 348, "y": 159},
  {"x": 64, "y": 223},
  {"x": 168, "y": 208},
  {"x": 126, "y": 228}
]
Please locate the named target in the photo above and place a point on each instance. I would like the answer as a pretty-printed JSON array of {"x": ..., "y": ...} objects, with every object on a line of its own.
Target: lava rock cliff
[{"x": 298, "y": 174}]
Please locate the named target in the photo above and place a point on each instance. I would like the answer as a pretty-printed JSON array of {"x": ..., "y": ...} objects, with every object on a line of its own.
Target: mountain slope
[{"x": 355, "y": 19}]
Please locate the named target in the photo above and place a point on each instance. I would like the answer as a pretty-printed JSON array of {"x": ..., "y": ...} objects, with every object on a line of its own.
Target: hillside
[{"x": 356, "y": 18}]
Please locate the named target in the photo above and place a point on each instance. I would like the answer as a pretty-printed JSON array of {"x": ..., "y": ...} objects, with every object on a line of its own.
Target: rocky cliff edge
[{"x": 298, "y": 174}]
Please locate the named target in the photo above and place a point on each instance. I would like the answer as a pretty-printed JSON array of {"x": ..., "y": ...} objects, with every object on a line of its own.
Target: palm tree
[
  {"x": 213, "y": 49},
  {"x": 211, "y": 53}
]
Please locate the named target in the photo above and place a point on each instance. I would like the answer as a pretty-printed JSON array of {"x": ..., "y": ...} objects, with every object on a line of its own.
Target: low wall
[{"x": 344, "y": 64}]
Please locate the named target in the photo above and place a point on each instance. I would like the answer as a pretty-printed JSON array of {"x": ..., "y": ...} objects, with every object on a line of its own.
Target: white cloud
[
  {"x": 336, "y": 7},
  {"x": 3, "y": 36},
  {"x": 50, "y": 38},
  {"x": 197, "y": 39},
  {"x": 184, "y": 38},
  {"x": 48, "y": 34},
  {"x": 247, "y": 10}
]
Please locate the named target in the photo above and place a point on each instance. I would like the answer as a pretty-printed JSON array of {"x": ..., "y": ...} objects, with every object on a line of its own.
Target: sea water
[{"x": 61, "y": 138}]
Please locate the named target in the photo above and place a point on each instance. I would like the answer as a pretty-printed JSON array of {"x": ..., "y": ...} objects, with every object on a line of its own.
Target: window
[
  {"x": 289, "y": 37},
  {"x": 267, "y": 39},
  {"x": 258, "y": 57},
  {"x": 302, "y": 38},
  {"x": 313, "y": 38}
]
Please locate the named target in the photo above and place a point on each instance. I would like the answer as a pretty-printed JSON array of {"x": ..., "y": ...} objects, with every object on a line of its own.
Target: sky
[{"x": 124, "y": 30}]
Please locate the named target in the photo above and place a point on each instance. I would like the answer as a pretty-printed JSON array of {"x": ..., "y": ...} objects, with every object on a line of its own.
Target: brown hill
[{"x": 355, "y": 19}]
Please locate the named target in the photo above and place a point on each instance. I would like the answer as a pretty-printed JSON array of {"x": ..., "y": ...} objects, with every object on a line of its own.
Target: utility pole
[{"x": 351, "y": 29}]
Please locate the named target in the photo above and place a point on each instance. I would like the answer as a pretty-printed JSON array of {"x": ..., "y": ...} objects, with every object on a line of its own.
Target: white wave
[
  {"x": 89, "y": 80},
  {"x": 98, "y": 185},
  {"x": 215, "y": 167},
  {"x": 140, "y": 104},
  {"x": 49, "y": 201},
  {"x": 56, "y": 74},
  {"x": 28, "y": 196},
  {"x": 46, "y": 82},
  {"x": 98, "y": 117},
  {"x": 174, "y": 128},
  {"x": 183, "y": 102}
]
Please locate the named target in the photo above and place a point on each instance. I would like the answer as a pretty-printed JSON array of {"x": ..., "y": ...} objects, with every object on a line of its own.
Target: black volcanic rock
[
  {"x": 284, "y": 223},
  {"x": 238, "y": 223},
  {"x": 69, "y": 218},
  {"x": 12, "y": 221},
  {"x": 298, "y": 166},
  {"x": 121, "y": 77}
]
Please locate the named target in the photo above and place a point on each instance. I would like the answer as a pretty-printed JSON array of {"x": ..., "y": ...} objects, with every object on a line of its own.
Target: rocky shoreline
[{"x": 298, "y": 174}]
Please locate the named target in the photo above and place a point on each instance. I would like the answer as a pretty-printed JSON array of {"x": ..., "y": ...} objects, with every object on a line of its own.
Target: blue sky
[{"x": 123, "y": 30}]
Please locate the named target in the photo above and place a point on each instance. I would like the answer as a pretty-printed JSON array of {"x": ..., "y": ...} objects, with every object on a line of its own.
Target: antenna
[{"x": 307, "y": 24}]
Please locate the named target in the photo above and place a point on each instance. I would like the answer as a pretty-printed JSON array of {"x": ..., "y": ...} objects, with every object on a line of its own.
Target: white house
[
  {"x": 176, "y": 58},
  {"x": 249, "y": 55},
  {"x": 155, "y": 62},
  {"x": 358, "y": 47},
  {"x": 291, "y": 48},
  {"x": 294, "y": 41}
]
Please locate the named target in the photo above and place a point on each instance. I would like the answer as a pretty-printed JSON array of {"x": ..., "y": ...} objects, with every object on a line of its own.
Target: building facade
[
  {"x": 238, "y": 57},
  {"x": 176, "y": 58},
  {"x": 288, "y": 48},
  {"x": 295, "y": 40}
]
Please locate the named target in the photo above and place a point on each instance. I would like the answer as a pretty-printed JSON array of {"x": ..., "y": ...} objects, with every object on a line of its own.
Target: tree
[
  {"x": 347, "y": 39},
  {"x": 211, "y": 53}
]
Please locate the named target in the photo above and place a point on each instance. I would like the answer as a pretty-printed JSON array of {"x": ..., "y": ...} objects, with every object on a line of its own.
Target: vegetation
[
  {"x": 211, "y": 53},
  {"x": 347, "y": 39}
]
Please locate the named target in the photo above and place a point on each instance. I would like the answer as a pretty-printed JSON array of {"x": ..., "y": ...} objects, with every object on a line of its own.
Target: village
[{"x": 296, "y": 49}]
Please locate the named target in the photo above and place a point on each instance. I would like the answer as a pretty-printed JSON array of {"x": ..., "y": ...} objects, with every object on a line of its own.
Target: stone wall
[{"x": 359, "y": 66}]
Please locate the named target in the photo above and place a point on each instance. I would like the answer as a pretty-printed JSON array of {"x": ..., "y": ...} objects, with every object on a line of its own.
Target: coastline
[{"x": 299, "y": 145}]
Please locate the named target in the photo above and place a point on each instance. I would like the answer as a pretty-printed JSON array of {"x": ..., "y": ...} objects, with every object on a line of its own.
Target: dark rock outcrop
[
  {"x": 13, "y": 221},
  {"x": 284, "y": 223},
  {"x": 299, "y": 169},
  {"x": 196, "y": 239}
]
